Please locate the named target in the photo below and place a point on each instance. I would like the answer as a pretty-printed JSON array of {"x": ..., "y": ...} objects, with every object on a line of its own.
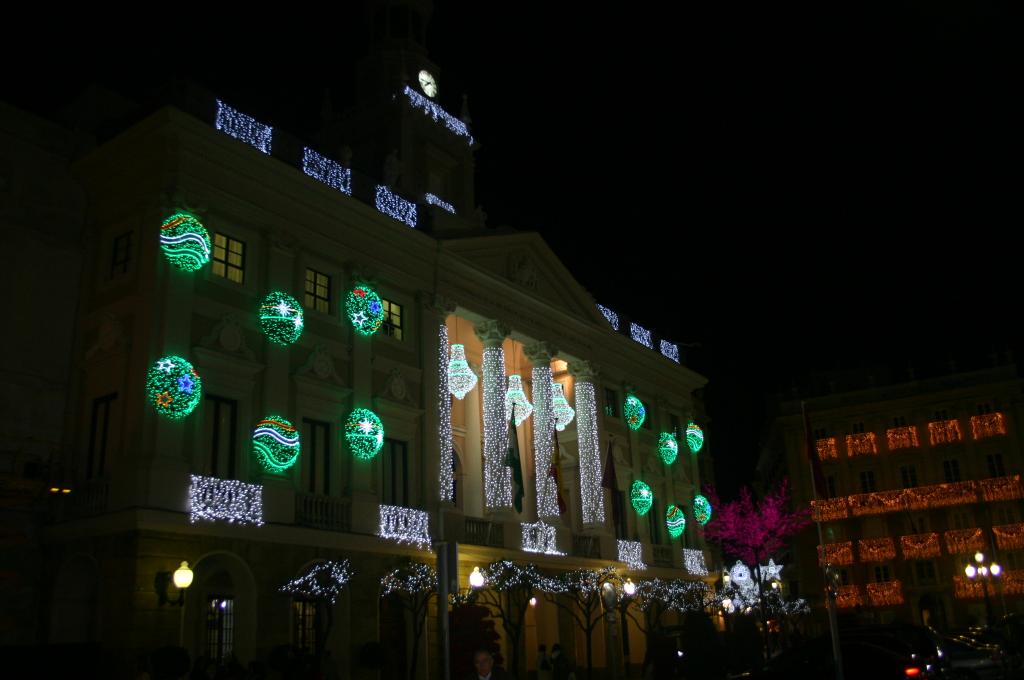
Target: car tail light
[{"x": 912, "y": 671}]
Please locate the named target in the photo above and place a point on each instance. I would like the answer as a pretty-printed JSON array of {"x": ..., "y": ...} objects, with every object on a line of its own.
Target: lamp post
[
  {"x": 983, "y": 572},
  {"x": 182, "y": 580}
]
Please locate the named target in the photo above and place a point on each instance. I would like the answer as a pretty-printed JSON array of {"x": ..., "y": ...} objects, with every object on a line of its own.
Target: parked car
[
  {"x": 972, "y": 660},
  {"x": 813, "y": 660},
  {"x": 920, "y": 644}
]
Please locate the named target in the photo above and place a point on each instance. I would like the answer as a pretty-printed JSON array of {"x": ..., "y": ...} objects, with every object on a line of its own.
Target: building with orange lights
[{"x": 919, "y": 476}]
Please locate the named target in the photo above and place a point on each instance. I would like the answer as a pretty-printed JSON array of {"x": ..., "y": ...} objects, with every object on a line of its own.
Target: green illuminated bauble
[
  {"x": 641, "y": 496},
  {"x": 668, "y": 447},
  {"x": 701, "y": 510},
  {"x": 364, "y": 309},
  {"x": 694, "y": 437},
  {"x": 281, "y": 318},
  {"x": 185, "y": 242},
  {"x": 173, "y": 387},
  {"x": 634, "y": 411},
  {"x": 364, "y": 433},
  {"x": 675, "y": 520},
  {"x": 275, "y": 441}
]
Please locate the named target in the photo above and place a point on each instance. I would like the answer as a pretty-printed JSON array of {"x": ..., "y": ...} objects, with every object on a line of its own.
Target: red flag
[
  {"x": 555, "y": 473},
  {"x": 817, "y": 476},
  {"x": 608, "y": 481}
]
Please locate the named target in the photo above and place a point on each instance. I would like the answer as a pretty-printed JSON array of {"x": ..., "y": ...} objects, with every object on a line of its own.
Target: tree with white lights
[
  {"x": 579, "y": 593},
  {"x": 506, "y": 592},
  {"x": 412, "y": 586},
  {"x": 322, "y": 583}
]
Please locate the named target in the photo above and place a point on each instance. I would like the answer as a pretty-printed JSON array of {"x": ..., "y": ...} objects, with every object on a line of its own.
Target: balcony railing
[
  {"x": 323, "y": 512},
  {"x": 90, "y": 497},
  {"x": 586, "y": 546},
  {"x": 484, "y": 532},
  {"x": 919, "y": 498},
  {"x": 662, "y": 555}
]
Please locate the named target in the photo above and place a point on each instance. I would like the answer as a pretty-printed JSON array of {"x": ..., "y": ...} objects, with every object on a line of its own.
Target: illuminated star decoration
[
  {"x": 359, "y": 318},
  {"x": 771, "y": 571},
  {"x": 164, "y": 399},
  {"x": 164, "y": 365},
  {"x": 185, "y": 384}
]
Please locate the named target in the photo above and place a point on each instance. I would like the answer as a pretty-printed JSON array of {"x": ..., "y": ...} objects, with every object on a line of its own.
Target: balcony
[
  {"x": 323, "y": 512},
  {"x": 827, "y": 448},
  {"x": 861, "y": 444},
  {"x": 586, "y": 546},
  {"x": 920, "y": 546},
  {"x": 901, "y": 438},
  {"x": 484, "y": 532},
  {"x": 90, "y": 497},
  {"x": 919, "y": 498},
  {"x": 965, "y": 541},
  {"x": 885, "y": 594},
  {"x": 836, "y": 553},
  {"x": 876, "y": 549},
  {"x": 988, "y": 425},
  {"x": 944, "y": 432},
  {"x": 662, "y": 556},
  {"x": 1009, "y": 536}
]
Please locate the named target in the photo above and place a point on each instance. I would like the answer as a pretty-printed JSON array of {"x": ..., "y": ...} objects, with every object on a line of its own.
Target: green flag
[{"x": 512, "y": 461}]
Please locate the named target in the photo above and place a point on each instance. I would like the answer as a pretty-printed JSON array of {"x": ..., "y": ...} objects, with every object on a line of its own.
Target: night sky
[{"x": 792, "y": 190}]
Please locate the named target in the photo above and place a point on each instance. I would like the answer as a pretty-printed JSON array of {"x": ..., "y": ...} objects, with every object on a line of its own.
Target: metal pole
[{"x": 442, "y": 607}]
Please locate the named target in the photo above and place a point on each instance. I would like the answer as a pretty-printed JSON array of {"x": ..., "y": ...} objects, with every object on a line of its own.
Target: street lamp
[
  {"x": 984, "y": 573},
  {"x": 476, "y": 579}
]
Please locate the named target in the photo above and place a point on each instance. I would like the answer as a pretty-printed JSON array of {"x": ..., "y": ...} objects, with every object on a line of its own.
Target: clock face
[{"x": 428, "y": 84}]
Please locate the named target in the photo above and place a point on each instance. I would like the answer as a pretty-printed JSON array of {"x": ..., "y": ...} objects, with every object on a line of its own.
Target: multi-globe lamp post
[{"x": 984, "y": 572}]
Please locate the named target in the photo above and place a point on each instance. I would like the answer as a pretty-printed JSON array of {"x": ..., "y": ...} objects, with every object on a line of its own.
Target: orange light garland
[
  {"x": 827, "y": 449},
  {"x": 964, "y": 541},
  {"x": 876, "y": 503},
  {"x": 920, "y": 546},
  {"x": 876, "y": 549},
  {"x": 836, "y": 553},
  {"x": 902, "y": 437},
  {"x": 829, "y": 509},
  {"x": 1009, "y": 536},
  {"x": 848, "y": 596},
  {"x": 1009, "y": 582},
  {"x": 919, "y": 498},
  {"x": 885, "y": 594},
  {"x": 1001, "y": 488},
  {"x": 862, "y": 444},
  {"x": 940, "y": 495},
  {"x": 988, "y": 425},
  {"x": 944, "y": 432}
]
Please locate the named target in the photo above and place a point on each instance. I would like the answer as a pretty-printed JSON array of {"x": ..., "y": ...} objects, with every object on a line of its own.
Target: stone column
[
  {"x": 497, "y": 476},
  {"x": 588, "y": 438},
  {"x": 540, "y": 355},
  {"x": 437, "y": 400}
]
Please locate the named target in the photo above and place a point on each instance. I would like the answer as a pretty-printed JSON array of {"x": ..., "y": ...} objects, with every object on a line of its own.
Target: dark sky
[{"x": 793, "y": 189}]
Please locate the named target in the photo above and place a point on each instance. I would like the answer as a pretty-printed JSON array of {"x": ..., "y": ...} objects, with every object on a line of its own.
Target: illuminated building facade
[{"x": 919, "y": 476}]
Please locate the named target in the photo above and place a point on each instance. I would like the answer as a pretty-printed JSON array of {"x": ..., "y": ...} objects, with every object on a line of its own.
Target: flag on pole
[
  {"x": 608, "y": 481},
  {"x": 555, "y": 472},
  {"x": 512, "y": 460}
]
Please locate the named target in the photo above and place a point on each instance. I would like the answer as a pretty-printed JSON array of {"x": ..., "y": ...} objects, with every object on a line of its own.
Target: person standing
[{"x": 483, "y": 663}]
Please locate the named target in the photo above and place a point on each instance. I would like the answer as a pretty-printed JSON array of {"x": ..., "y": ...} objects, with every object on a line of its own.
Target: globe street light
[{"x": 984, "y": 573}]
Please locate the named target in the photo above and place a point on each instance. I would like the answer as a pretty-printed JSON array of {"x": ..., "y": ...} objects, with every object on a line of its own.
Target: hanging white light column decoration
[
  {"x": 497, "y": 476},
  {"x": 444, "y": 418},
  {"x": 461, "y": 378},
  {"x": 591, "y": 493},
  {"x": 560, "y": 406},
  {"x": 543, "y": 441},
  {"x": 515, "y": 396},
  {"x": 331, "y": 173},
  {"x": 612, "y": 317}
]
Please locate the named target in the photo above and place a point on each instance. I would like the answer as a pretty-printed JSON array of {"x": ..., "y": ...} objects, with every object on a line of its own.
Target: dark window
[
  {"x": 620, "y": 519},
  {"x": 820, "y": 433},
  {"x": 121, "y": 254},
  {"x": 396, "y": 473},
  {"x": 220, "y": 627},
  {"x": 99, "y": 431},
  {"x": 881, "y": 573},
  {"x": 909, "y": 475},
  {"x": 925, "y": 572},
  {"x": 984, "y": 408},
  {"x": 318, "y": 291},
  {"x": 942, "y": 414},
  {"x": 305, "y": 625},
  {"x": 858, "y": 428},
  {"x": 392, "y": 319},
  {"x": 995, "y": 465},
  {"x": 229, "y": 258},
  {"x": 318, "y": 453},
  {"x": 830, "y": 487},
  {"x": 611, "y": 403},
  {"x": 223, "y": 415},
  {"x": 951, "y": 469},
  {"x": 867, "y": 481},
  {"x": 655, "y": 519},
  {"x": 844, "y": 577},
  {"x": 899, "y": 421}
]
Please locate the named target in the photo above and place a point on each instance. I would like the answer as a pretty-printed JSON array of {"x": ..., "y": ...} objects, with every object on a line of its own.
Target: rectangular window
[
  {"x": 942, "y": 414},
  {"x": 867, "y": 481},
  {"x": 317, "y": 445},
  {"x": 908, "y": 473},
  {"x": 229, "y": 258},
  {"x": 830, "y": 487},
  {"x": 222, "y": 420},
  {"x": 881, "y": 573},
  {"x": 962, "y": 520},
  {"x": 318, "y": 291},
  {"x": 858, "y": 428},
  {"x": 620, "y": 520},
  {"x": 220, "y": 627},
  {"x": 995, "y": 465},
  {"x": 655, "y": 521},
  {"x": 121, "y": 254},
  {"x": 99, "y": 431},
  {"x": 844, "y": 577},
  {"x": 925, "y": 572},
  {"x": 899, "y": 421},
  {"x": 396, "y": 473},
  {"x": 611, "y": 403},
  {"x": 392, "y": 319},
  {"x": 305, "y": 625},
  {"x": 951, "y": 469}
]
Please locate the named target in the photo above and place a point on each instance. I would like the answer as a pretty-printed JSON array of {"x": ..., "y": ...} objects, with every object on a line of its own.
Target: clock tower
[{"x": 405, "y": 129}]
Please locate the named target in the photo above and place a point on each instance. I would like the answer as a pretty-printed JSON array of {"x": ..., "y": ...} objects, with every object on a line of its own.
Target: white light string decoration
[
  {"x": 591, "y": 492},
  {"x": 641, "y": 335},
  {"x": 516, "y": 396},
  {"x": 438, "y": 114},
  {"x": 323, "y": 169},
  {"x": 497, "y": 476},
  {"x": 228, "y": 500},
  {"x": 632, "y": 553},
  {"x": 693, "y": 560},
  {"x": 405, "y": 525},
  {"x": 322, "y": 581},
  {"x": 243, "y": 128},
  {"x": 543, "y": 441},
  {"x": 461, "y": 378},
  {"x": 560, "y": 407},
  {"x": 539, "y": 537},
  {"x": 393, "y": 205},
  {"x": 444, "y": 418},
  {"x": 612, "y": 317},
  {"x": 431, "y": 199},
  {"x": 670, "y": 350}
]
